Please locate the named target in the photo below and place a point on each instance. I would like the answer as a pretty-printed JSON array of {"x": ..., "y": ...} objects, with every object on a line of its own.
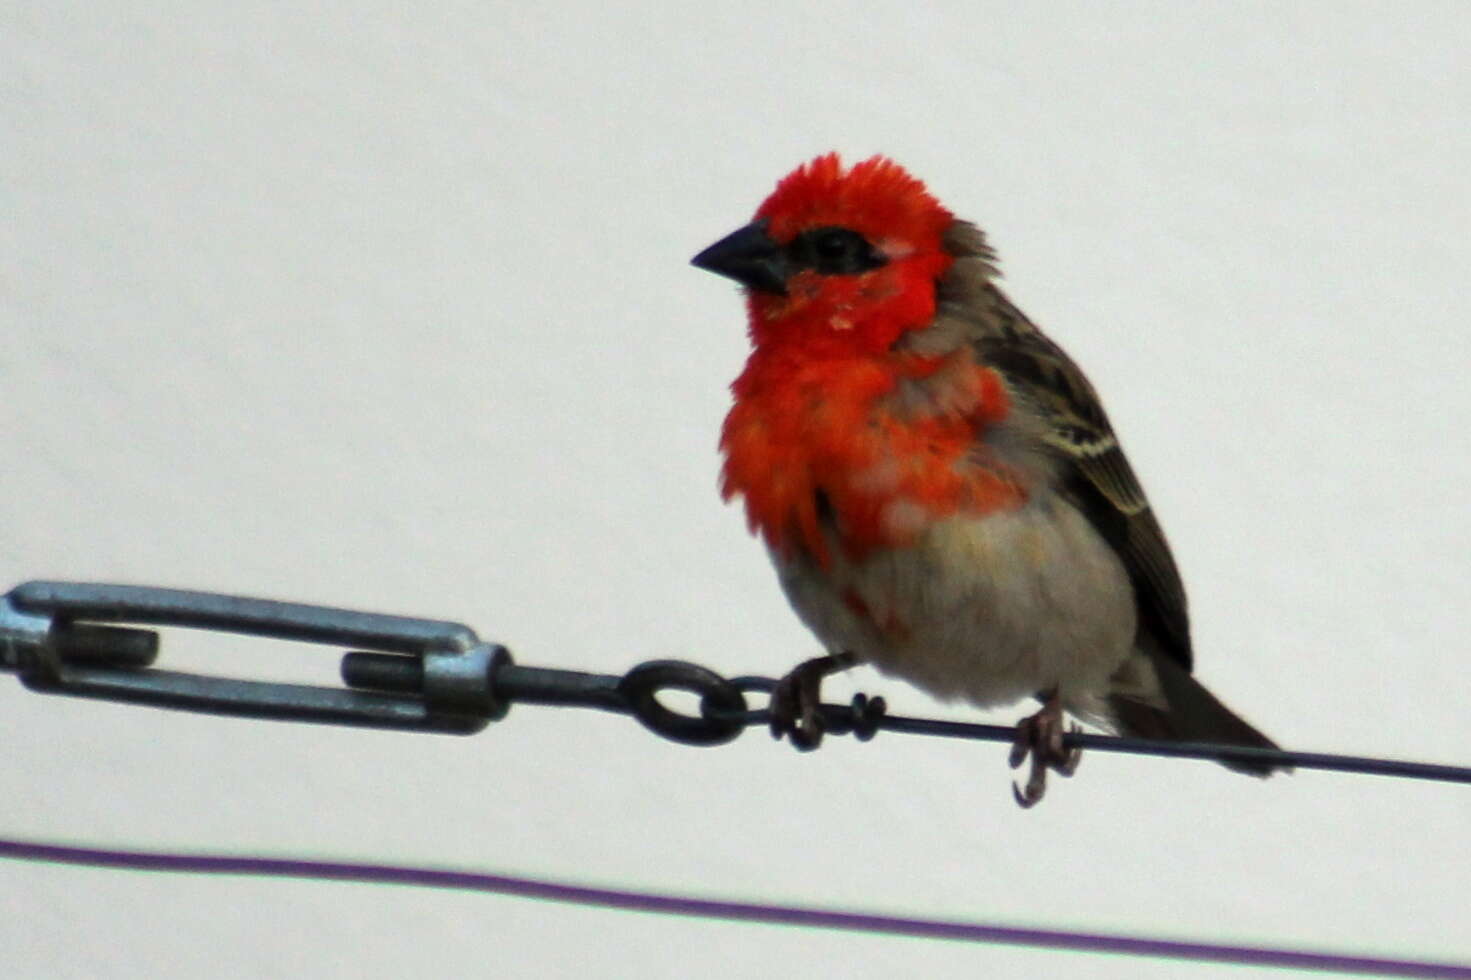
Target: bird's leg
[
  {"x": 1040, "y": 735},
  {"x": 798, "y": 696}
]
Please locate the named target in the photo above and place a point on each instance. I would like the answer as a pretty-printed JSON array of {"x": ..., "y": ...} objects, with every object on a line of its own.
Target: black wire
[
  {"x": 864, "y": 716},
  {"x": 412, "y": 674},
  {"x": 1191, "y": 750}
]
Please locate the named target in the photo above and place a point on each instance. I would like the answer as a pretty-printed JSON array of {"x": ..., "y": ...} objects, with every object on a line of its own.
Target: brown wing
[{"x": 1096, "y": 474}]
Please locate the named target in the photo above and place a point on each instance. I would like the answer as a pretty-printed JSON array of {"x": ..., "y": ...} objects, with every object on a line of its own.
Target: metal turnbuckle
[{"x": 83, "y": 640}]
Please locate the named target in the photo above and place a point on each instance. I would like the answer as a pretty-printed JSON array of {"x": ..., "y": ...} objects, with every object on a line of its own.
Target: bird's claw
[
  {"x": 796, "y": 701},
  {"x": 794, "y": 711},
  {"x": 1040, "y": 736}
]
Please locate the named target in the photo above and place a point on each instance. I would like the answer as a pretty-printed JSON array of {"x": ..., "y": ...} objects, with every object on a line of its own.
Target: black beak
[{"x": 750, "y": 257}]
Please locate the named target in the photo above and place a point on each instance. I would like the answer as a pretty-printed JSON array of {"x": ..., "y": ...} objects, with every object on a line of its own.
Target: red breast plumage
[{"x": 818, "y": 405}]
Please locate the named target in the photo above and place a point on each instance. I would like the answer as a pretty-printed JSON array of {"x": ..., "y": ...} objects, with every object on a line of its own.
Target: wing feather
[{"x": 1095, "y": 473}]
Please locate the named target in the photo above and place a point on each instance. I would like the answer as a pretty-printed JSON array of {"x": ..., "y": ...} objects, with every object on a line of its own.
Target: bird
[{"x": 937, "y": 483}]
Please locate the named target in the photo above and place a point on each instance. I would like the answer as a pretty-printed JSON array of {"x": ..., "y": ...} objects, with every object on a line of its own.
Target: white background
[{"x": 391, "y": 310}]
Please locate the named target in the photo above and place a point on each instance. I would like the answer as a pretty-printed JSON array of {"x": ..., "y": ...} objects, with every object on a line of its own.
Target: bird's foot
[
  {"x": 796, "y": 702},
  {"x": 1040, "y": 736}
]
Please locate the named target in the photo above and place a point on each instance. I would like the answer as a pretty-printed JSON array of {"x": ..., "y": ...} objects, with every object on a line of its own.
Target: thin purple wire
[{"x": 738, "y": 911}]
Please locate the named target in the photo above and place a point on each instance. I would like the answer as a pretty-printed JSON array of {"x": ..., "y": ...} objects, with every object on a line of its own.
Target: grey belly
[{"x": 983, "y": 609}]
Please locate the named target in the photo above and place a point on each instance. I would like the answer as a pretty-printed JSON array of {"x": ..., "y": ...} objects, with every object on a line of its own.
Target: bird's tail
[{"x": 1191, "y": 714}]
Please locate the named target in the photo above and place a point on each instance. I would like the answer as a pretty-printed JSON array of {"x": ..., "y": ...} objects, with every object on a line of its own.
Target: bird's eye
[
  {"x": 836, "y": 252},
  {"x": 831, "y": 246}
]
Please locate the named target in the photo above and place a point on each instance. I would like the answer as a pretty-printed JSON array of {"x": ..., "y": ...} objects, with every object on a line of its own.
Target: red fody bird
[{"x": 936, "y": 481}]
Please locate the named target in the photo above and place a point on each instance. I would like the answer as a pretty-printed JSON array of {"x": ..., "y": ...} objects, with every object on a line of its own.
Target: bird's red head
[{"x": 838, "y": 261}]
